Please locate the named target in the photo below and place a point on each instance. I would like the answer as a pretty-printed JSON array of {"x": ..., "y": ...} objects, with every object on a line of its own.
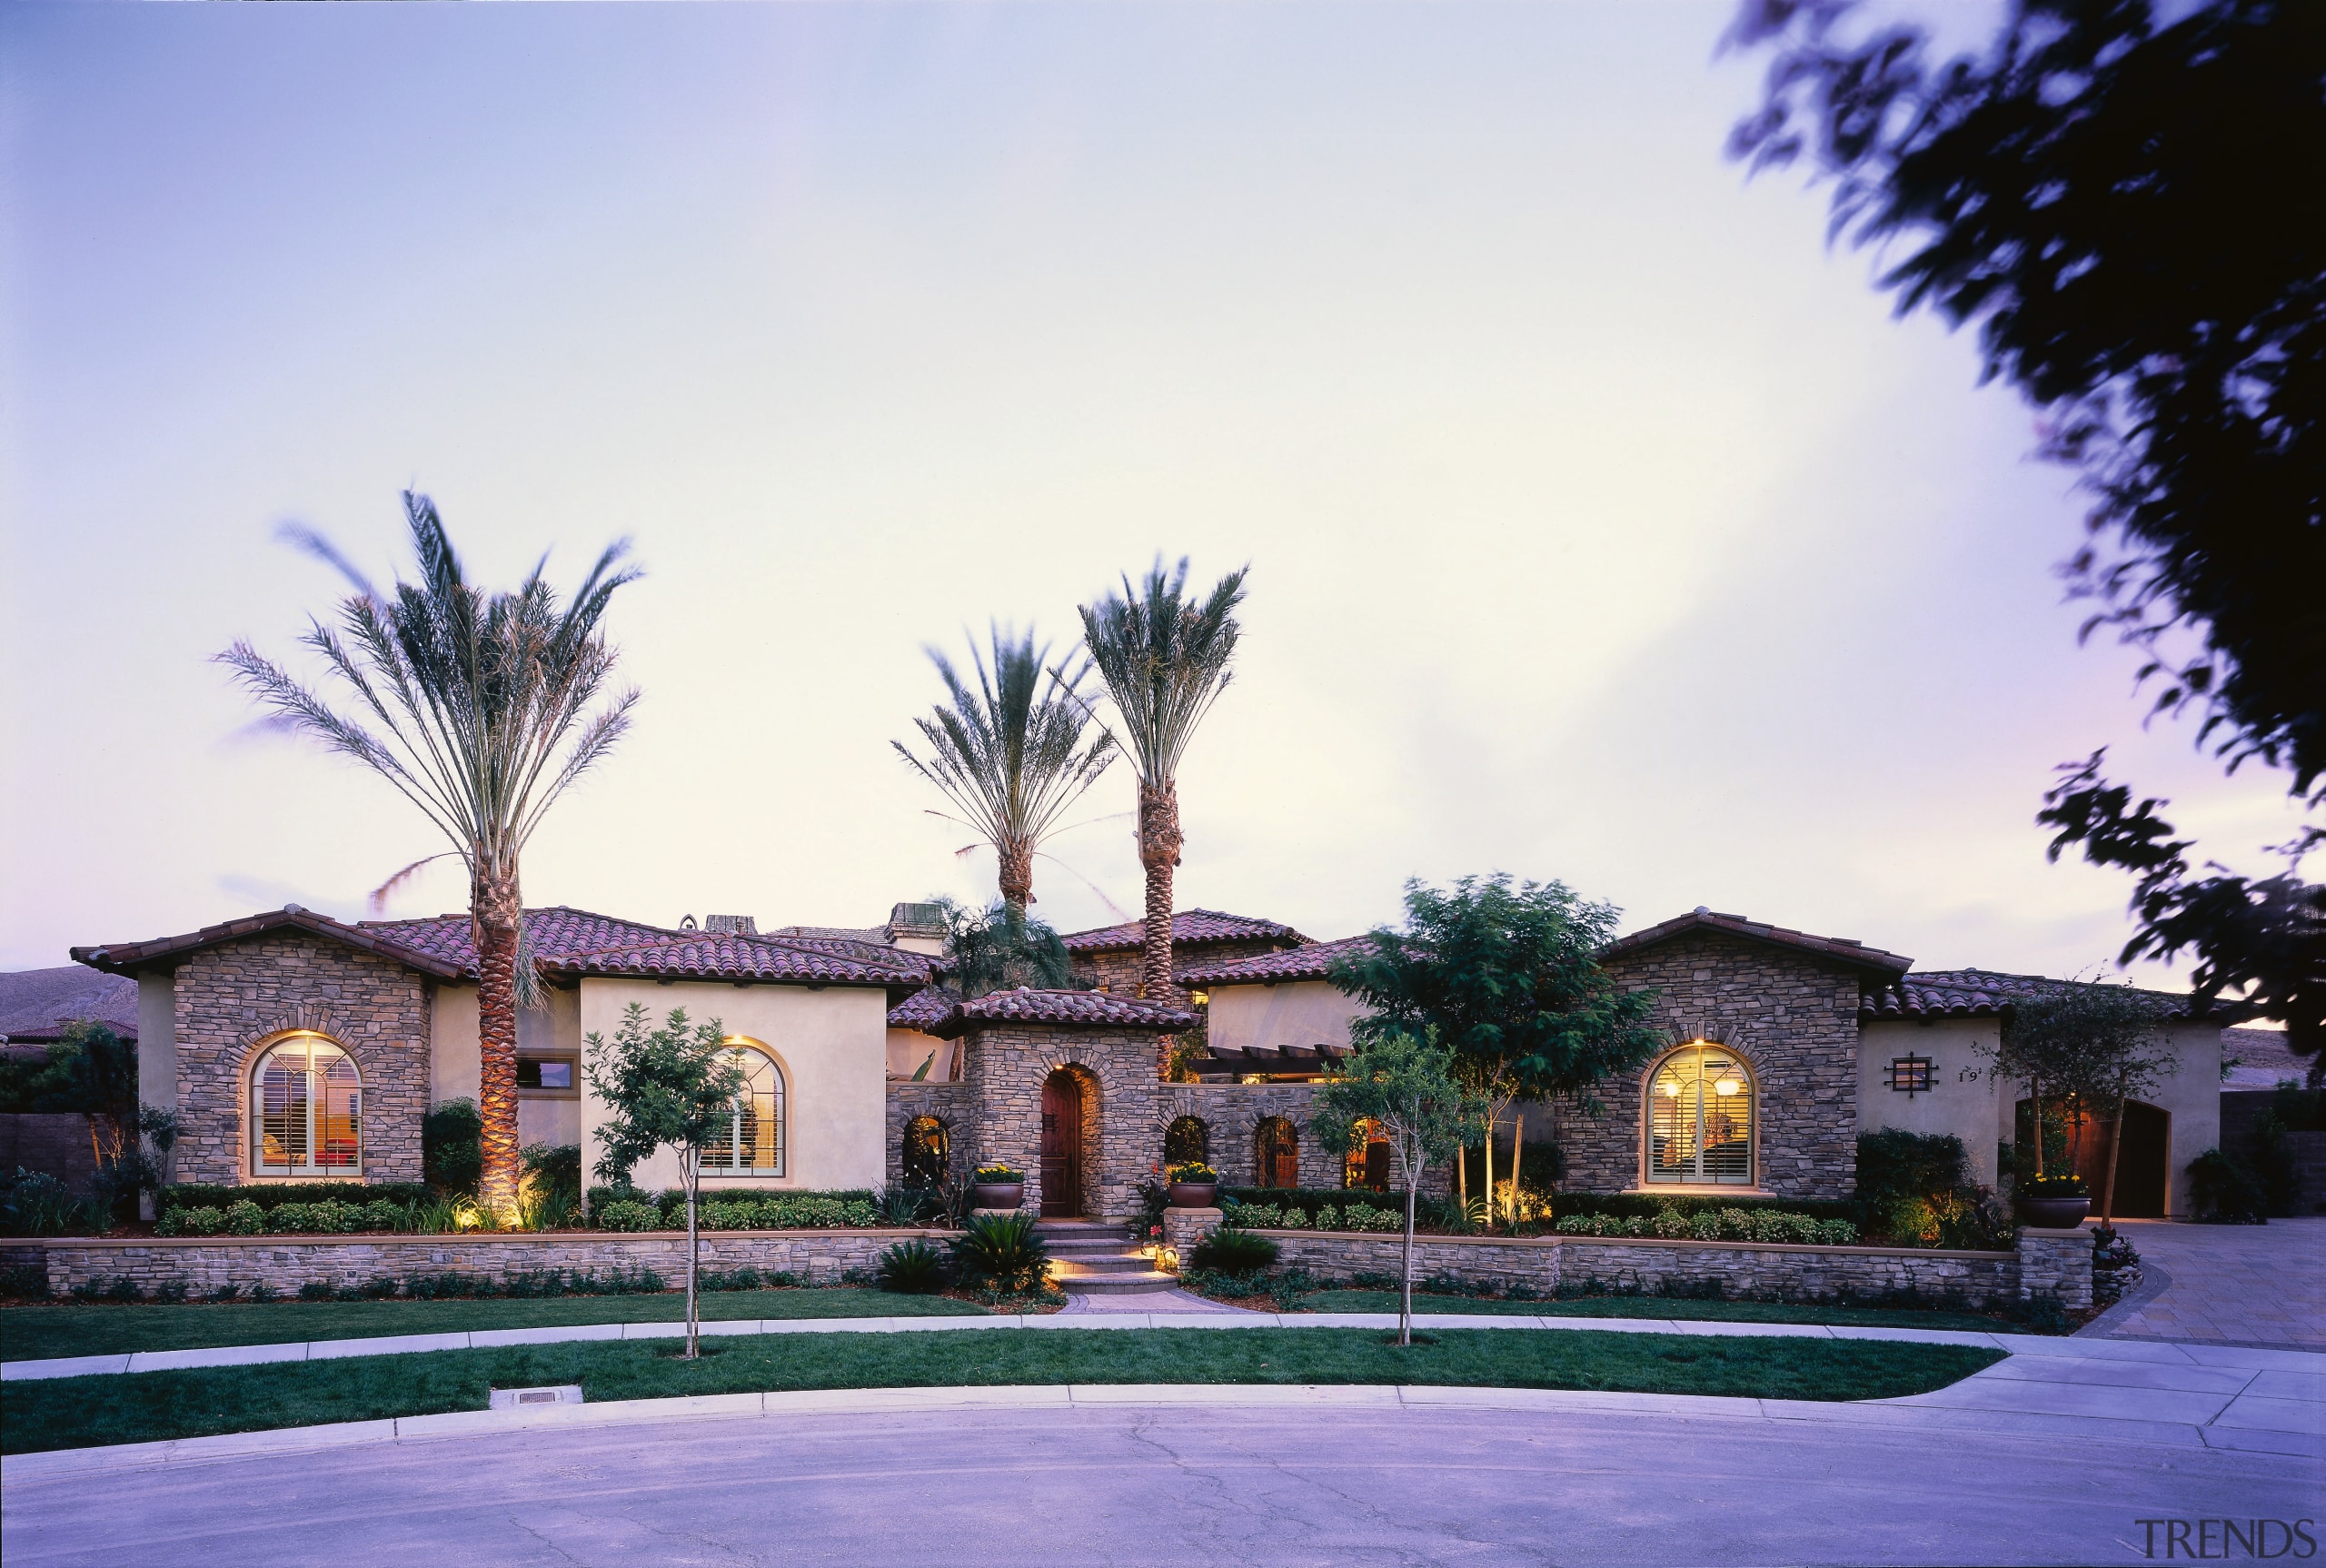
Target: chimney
[
  {"x": 733, "y": 925},
  {"x": 917, "y": 927}
]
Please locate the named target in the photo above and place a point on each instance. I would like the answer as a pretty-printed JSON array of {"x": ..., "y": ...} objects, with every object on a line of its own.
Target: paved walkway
[
  {"x": 1286, "y": 1478},
  {"x": 1210, "y": 1314},
  {"x": 1078, "y": 1303},
  {"x": 2227, "y": 1284}
]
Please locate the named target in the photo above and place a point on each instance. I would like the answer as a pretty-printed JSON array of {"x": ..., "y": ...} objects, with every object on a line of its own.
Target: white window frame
[{"x": 778, "y": 1111}]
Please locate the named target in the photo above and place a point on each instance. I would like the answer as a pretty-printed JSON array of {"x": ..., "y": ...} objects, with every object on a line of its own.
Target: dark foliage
[
  {"x": 1509, "y": 979},
  {"x": 91, "y": 1070},
  {"x": 451, "y": 1145},
  {"x": 1235, "y": 1252},
  {"x": 270, "y": 1196},
  {"x": 998, "y": 949},
  {"x": 1891, "y": 1164},
  {"x": 912, "y": 1268},
  {"x": 2224, "y": 1189},
  {"x": 1001, "y": 1252}
]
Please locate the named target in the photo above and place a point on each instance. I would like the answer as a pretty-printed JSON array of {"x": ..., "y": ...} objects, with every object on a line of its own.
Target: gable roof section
[
  {"x": 1840, "y": 950},
  {"x": 1087, "y": 1009},
  {"x": 128, "y": 958},
  {"x": 1189, "y": 927},
  {"x": 924, "y": 1009},
  {"x": 1984, "y": 994},
  {"x": 36, "y": 1005},
  {"x": 1313, "y": 961},
  {"x": 567, "y": 943}
]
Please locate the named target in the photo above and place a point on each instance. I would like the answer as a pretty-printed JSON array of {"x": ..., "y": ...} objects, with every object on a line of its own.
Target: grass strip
[
  {"x": 1657, "y": 1306},
  {"x": 79, "y": 1411},
  {"x": 38, "y": 1331}
]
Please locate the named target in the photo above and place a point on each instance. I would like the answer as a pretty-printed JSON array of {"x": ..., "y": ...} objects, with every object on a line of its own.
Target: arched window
[
  {"x": 306, "y": 1109},
  {"x": 928, "y": 1152},
  {"x": 1700, "y": 1118},
  {"x": 1276, "y": 1154},
  {"x": 753, "y": 1139},
  {"x": 1367, "y": 1164},
  {"x": 1186, "y": 1140}
]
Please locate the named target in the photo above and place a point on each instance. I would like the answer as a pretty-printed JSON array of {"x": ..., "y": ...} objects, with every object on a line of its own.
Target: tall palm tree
[
  {"x": 471, "y": 704},
  {"x": 1009, "y": 755},
  {"x": 1164, "y": 659}
]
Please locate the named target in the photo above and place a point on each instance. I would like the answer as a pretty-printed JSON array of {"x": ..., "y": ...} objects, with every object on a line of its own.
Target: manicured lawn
[
  {"x": 77, "y": 1412},
  {"x": 33, "y": 1333},
  {"x": 1660, "y": 1307}
]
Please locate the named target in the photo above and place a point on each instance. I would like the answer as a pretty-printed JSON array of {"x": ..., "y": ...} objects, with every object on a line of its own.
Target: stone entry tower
[{"x": 1015, "y": 1040}]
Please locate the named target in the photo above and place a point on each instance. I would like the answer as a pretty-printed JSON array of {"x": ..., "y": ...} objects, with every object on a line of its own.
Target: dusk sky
[{"x": 1603, "y": 524}]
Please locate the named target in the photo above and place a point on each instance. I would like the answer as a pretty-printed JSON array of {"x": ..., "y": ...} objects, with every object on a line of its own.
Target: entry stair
[{"x": 1089, "y": 1258}]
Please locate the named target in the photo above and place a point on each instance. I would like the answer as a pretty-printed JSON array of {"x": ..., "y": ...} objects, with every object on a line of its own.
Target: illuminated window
[
  {"x": 754, "y": 1140},
  {"x": 1700, "y": 1118},
  {"x": 307, "y": 1110},
  {"x": 1367, "y": 1164},
  {"x": 1910, "y": 1075}
]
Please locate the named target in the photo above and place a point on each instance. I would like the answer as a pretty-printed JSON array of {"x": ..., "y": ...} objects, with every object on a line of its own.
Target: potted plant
[
  {"x": 2052, "y": 1202},
  {"x": 998, "y": 1186},
  {"x": 1193, "y": 1185}
]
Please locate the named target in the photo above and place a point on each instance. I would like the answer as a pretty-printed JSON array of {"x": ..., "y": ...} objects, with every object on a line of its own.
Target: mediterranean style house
[{"x": 294, "y": 1047}]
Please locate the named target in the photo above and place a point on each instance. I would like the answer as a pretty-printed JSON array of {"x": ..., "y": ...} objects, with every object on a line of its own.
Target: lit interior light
[
  {"x": 1726, "y": 1087},
  {"x": 1671, "y": 1089}
]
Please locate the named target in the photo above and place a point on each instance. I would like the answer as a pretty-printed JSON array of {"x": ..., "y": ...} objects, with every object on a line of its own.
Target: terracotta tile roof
[
  {"x": 567, "y": 943},
  {"x": 1847, "y": 949},
  {"x": 1190, "y": 928},
  {"x": 1312, "y": 962},
  {"x": 36, "y": 1005},
  {"x": 1982, "y": 993},
  {"x": 1091, "y": 1009},
  {"x": 128, "y": 958},
  {"x": 924, "y": 1009}
]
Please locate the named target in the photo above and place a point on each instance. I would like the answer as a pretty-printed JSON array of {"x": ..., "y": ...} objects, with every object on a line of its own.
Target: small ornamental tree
[
  {"x": 676, "y": 1086},
  {"x": 1507, "y": 978},
  {"x": 1405, "y": 1089},
  {"x": 2089, "y": 1047}
]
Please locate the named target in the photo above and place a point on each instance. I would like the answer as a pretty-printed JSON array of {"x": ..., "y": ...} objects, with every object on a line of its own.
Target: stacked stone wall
[
  {"x": 2056, "y": 1263},
  {"x": 954, "y": 1106},
  {"x": 231, "y": 998},
  {"x": 209, "y": 1263},
  {"x": 1790, "y": 1018},
  {"x": 1009, "y": 1064},
  {"x": 1119, "y": 971}
]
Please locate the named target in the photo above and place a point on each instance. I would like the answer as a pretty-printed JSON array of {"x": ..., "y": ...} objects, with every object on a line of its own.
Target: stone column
[
  {"x": 2056, "y": 1263},
  {"x": 1184, "y": 1229}
]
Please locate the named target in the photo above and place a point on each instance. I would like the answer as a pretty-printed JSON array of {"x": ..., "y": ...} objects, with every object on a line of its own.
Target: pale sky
[{"x": 1603, "y": 525}]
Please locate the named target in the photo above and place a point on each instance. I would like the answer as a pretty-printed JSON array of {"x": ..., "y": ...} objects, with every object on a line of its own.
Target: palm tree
[
  {"x": 1165, "y": 660},
  {"x": 1009, "y": 754},
  {"x": 472, "y": 705}
]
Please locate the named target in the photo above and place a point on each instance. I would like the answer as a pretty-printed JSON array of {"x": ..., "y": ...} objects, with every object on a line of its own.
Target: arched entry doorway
[
  {"x": 1062, "y": 1107},
  {"x": 2142, "y": 1171},
  {"x": 1276, "y": 1154}
]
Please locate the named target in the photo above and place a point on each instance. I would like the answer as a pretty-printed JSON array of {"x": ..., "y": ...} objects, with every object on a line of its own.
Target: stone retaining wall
[
  {"x": 286, "y": 1263},
  {"x": 2047, "y": 1263}
]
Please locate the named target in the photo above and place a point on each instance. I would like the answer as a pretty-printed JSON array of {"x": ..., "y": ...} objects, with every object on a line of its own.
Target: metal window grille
[
  {"x": 309, "y": 1103},
  {"x": 1700, "y": 1119},
  {"x": 754, "y": 1137},
  {"x": 1910, "y": 1075}
]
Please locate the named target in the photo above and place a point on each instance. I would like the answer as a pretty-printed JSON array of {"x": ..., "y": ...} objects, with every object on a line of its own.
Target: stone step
[
  {"x": 1113, "y": 1262},
  {"x": 1119, "y": 1283},
  {"x": 1066, "y": 1246}
]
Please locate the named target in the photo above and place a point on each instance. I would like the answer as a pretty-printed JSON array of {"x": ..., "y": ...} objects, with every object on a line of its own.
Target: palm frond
[{"x": 1164, "y": 659}]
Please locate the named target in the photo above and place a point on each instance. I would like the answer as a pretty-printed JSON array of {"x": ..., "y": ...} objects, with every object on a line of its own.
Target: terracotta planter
[
  {"x": 1000, "y": 1194},
  {"x": 1194, "y": 1194},
  {"x": 2052, "y": 1213}
]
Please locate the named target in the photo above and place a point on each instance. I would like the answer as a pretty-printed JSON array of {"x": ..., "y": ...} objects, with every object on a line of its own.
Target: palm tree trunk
[
  {"x": 496, "y": 913},
  {"x": 1017, "y": 878},
  {"x": 1158, "y": 853}
]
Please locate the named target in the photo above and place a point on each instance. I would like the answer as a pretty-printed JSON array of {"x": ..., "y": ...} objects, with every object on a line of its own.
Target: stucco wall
[
  {"x": 157, "y": 1047},
  {"x": 831, "y": 1044},
  {"x": 228, "y": 1000},
  {"x": 1792, "y": 1019},
  {"x": 1964, "y": 1099},
  {"x": 2192, "y": 1096},
  {"x": 1291, "y": 1013},
  {"x": 907, "y": 1048}
]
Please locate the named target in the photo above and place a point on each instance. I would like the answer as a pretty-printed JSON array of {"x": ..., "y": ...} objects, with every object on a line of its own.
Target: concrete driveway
[{"x": 1190, "y": 1476}]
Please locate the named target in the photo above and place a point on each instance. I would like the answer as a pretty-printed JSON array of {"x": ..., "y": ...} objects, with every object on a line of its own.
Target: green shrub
[
  {"x": 2053, "y": 1186},
  {"x": 1364, "y": 1216},
  {"x": 1235, "y": 1252},
  {"x": 912, "y": 1268},
  {"x": 1836, "y": 1233},
  {"x": 1002, "y": 1253},
  {"x": 1894, "y": 1164},
  {"x": 269, "y": 1195},
  {"x": 731, "y": 1217},
  {"x": 451, "y": 1145},
  {"x": 2225, "y": 1189},
  {"x": 1329, "y": 1218},
  {"x": 245, "y": 1218},
  {"x": 1669, "y": 1225},
  {"x": 24, "y": 1282},
  {"x": 630, "y": 1214},
  {"x": 34, "y": 1203}
]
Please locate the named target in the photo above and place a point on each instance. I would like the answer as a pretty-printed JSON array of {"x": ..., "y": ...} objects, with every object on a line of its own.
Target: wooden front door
[
  {"x": 1277, "y": 1161},
  {"x": 1061, "y": 1147}
]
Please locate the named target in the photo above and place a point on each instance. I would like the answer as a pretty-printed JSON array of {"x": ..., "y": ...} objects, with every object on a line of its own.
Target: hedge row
[{"x": 269, "y": 1195}]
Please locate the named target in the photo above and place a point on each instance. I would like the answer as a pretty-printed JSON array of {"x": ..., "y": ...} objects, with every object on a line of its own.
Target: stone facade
[
  {"x": 953, "y": 1105},
  {"x": 1792, "y": 1019},
  {"x": 1118, "y": 971},
  {"x": 285, "y": 1264},
  {"x": 1008, "y": 1065},
  {"x": 1231, "y": 1114},
  {"x": 232, "y": 998}
]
